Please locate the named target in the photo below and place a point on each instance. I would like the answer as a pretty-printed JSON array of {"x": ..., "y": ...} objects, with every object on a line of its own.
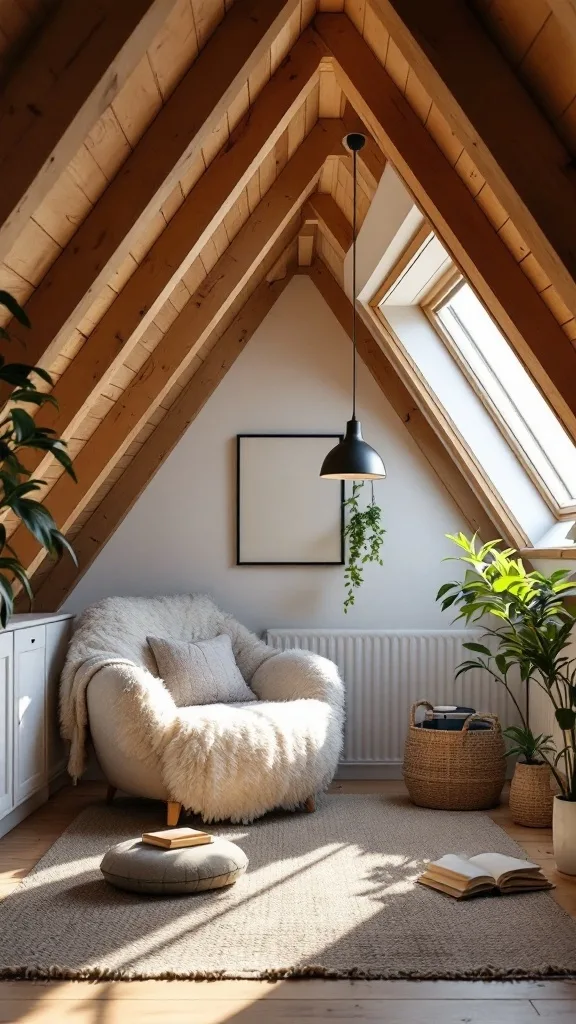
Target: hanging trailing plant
[{"x": 364, "y": 534}]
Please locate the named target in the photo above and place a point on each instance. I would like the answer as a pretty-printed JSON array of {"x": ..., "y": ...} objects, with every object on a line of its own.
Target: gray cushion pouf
[{"x": 140, "y": 867}]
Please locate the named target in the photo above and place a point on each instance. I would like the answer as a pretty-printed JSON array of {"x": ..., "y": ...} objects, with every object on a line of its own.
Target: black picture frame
[{"x": 239, "y": 560}]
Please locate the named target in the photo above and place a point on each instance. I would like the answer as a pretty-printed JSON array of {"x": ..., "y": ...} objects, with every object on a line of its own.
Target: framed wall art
[{"x": 287, "y": 515}]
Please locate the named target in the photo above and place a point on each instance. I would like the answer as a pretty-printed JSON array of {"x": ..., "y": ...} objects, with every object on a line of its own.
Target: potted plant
[
  {"x": 365, "y": 535},
  {"x": 531, "y": 633},
  {"x": 531, "y": 794}
]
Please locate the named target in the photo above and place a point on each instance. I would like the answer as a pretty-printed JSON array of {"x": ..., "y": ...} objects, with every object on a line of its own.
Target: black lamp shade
[{"x": 352, "y": 458}]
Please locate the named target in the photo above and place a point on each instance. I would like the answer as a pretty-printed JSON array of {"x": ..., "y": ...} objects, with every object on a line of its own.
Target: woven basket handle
[
  {"x": 418, "y": 704},
  {"x": 482, "y": 716}
]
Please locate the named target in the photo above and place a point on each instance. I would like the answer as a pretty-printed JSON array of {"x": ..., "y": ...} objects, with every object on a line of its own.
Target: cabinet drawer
[{"x": 29, "y": 639}]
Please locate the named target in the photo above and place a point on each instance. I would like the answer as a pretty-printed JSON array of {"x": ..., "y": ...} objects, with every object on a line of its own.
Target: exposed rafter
[
  {"x": 499, "y": 124},
  {"x": 56, "y": 94},
  {"x": 306, "y": 242},
  {"x": 323, "y": 210},
  {"x": 565, "y": 12},
  {"x": 185, "y": 338},
  {"x": 458, "y": 220},
  {"x": 103, "y": 523},
  {"x": 283, "y": 99},
  {"x": 371, "y": 160},
  {"x": 180, "y": 243},
  {"x": 146, "y": 179}
]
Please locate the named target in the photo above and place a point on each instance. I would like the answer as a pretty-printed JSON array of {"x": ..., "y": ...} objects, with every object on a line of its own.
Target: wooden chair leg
[
  {"x": 172, "y": 813},
  {"x": 110, "y": 794},
  {"x": 310, "y": 804}
]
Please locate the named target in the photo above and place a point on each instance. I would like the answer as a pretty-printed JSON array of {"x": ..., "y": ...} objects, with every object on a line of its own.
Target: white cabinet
[
  {"x": 6, "y": 723},
  {"x": 32, "y": 653},
  {"x": 30, "y": 764}
]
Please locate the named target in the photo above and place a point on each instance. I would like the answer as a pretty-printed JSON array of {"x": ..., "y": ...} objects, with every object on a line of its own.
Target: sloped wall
[{"x": 293, "y": 377}]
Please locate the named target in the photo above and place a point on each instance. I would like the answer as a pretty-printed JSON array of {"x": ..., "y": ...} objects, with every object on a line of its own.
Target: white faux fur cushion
[{"x": 201, "y": 672}]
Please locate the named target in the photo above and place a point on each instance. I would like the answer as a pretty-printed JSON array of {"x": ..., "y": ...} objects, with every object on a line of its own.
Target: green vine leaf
[{"x": 364, "y": 534}]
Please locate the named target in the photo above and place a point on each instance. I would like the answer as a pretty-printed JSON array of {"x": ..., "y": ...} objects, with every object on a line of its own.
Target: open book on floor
[{"x": 486, "y": 872}]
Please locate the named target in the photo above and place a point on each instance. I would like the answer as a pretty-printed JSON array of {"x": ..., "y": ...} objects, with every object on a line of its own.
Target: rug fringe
[{"x": 488, "y": 973}]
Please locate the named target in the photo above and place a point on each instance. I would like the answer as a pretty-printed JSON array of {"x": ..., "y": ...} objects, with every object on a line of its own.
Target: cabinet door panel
[
  {"x": 6, "y": 716},
  {"x": 29, "y": 712},
  {"x": 57, "y": 637}
]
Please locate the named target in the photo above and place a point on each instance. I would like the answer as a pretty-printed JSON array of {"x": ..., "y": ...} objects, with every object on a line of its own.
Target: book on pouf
[
  {"x": 462, "y": 877},
  {"x": 176, "y": 838}
]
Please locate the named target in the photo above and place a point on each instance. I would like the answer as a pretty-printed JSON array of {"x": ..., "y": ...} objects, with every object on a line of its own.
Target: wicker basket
[
  {"x": 532, "y": 795},
  {"x": 455, "y": 771}
]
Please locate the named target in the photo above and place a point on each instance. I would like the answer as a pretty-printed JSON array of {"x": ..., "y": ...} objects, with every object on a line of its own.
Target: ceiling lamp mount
[{"x": 353, "y": 458}]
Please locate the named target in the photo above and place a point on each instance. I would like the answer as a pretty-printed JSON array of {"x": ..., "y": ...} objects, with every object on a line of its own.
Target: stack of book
[
  {"x": 486, "y": 872},
  {"x": 177, "y": 838}
]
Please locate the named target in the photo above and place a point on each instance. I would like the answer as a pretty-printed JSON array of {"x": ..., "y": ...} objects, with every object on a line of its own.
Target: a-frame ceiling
[{"x": 164, "y": 183}]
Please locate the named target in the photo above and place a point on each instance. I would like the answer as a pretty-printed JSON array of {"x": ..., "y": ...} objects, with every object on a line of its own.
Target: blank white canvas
[{"x": 287, "y": 513}]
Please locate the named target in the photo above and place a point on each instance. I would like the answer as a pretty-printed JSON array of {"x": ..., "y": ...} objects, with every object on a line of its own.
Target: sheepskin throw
[
  {"x": 200, "y": 673},
  {"x": 222, "y": 761}
]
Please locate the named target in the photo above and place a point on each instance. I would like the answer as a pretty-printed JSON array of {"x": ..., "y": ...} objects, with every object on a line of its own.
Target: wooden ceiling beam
[
  {"x": 565, "y": 12},
  {"x": 459, "y": 222},
  {"x": 59, "y": 90},
  {"x": 105, "y": 520},
  {"x": 306, "y": 243},
  {"x": 500, "y": 126},
  {"x": 405, "y": 405},
  {"x": 186, "y": 336},
  {"x": 371, "y": 159},
  {"x": 323, "y": 210},
  {"x": 148, "y": 176},
  {"x": 181, "y": 242}
]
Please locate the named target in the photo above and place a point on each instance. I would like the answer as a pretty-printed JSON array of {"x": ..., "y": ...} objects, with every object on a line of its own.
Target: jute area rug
[{"x": 326, "y": 894}]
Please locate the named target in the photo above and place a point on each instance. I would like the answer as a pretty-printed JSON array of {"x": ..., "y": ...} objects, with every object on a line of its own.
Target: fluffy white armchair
[{"x": 222, "y": 761}]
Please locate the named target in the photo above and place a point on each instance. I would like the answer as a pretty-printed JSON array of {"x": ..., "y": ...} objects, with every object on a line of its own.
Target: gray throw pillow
[{"x": 203, "y": 672}]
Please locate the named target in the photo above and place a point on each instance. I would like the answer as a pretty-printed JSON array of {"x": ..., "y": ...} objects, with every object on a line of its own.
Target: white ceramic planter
[{"x": 564, "y": 835}]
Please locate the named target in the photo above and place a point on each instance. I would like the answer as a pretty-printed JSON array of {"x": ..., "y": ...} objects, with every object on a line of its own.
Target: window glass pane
[{"x": 512, "y": 391}]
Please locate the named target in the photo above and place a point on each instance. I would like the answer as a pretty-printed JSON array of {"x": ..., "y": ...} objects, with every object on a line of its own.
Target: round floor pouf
[{"x": 140, "y": 867}]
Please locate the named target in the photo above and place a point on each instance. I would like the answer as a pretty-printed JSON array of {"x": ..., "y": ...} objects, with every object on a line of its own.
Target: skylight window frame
[
  {"x": 506, "y": 525},
  {"x": 437, "y": 297}
]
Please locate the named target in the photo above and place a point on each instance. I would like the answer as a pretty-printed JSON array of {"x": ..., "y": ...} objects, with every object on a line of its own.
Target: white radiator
[{"x": 385, "y": 671}]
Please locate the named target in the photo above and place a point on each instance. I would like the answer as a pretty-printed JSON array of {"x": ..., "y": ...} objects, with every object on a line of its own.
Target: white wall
[
  {"x": 294, "y": 376},
  {"x": 388, "y": 227}
]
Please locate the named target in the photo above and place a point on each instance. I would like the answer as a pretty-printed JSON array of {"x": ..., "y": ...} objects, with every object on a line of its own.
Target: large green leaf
[
  {"x": 480, "y": 648},
  {"x": 24, "y": 425},
  {"x": 566, "y": 718},
  {"x": 14, "y": 308}
]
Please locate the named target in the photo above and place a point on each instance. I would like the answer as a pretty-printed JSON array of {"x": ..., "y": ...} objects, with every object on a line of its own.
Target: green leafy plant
[
  {"x": 533, "y": 749},
  {"x": 532, "y": 635},
  {"x": 18, "y": 432},
  {"x": 364, "y": 534}
]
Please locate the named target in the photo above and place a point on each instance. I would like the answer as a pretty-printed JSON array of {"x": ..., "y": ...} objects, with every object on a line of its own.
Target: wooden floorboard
[{"x": 243, "y": 1002}]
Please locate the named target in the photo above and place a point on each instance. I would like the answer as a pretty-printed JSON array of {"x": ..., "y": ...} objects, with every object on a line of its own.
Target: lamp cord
[{"x": 354, "y": 187}]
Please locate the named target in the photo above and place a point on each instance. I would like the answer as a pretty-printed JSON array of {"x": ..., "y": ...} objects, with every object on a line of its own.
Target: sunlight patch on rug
[{"x": 329, "y": 894}]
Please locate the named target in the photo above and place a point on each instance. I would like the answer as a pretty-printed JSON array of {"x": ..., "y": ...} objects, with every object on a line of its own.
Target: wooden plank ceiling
[{"x": 214, "y": 169}]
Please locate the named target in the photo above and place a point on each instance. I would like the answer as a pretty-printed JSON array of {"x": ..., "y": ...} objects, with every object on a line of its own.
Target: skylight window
[{"x": 496, "y": 372}]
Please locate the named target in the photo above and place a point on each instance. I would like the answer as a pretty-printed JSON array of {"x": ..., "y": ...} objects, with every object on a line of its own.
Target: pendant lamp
[{"x": 353, "y": 458}]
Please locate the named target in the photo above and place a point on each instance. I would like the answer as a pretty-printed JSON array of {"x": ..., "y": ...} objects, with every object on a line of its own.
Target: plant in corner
[
  {"x": 18, "y": 432},
  {"x": 531, "y": 796},
  {"x": 532, "y": 633},
  {"x": 364, "y": 533}
]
